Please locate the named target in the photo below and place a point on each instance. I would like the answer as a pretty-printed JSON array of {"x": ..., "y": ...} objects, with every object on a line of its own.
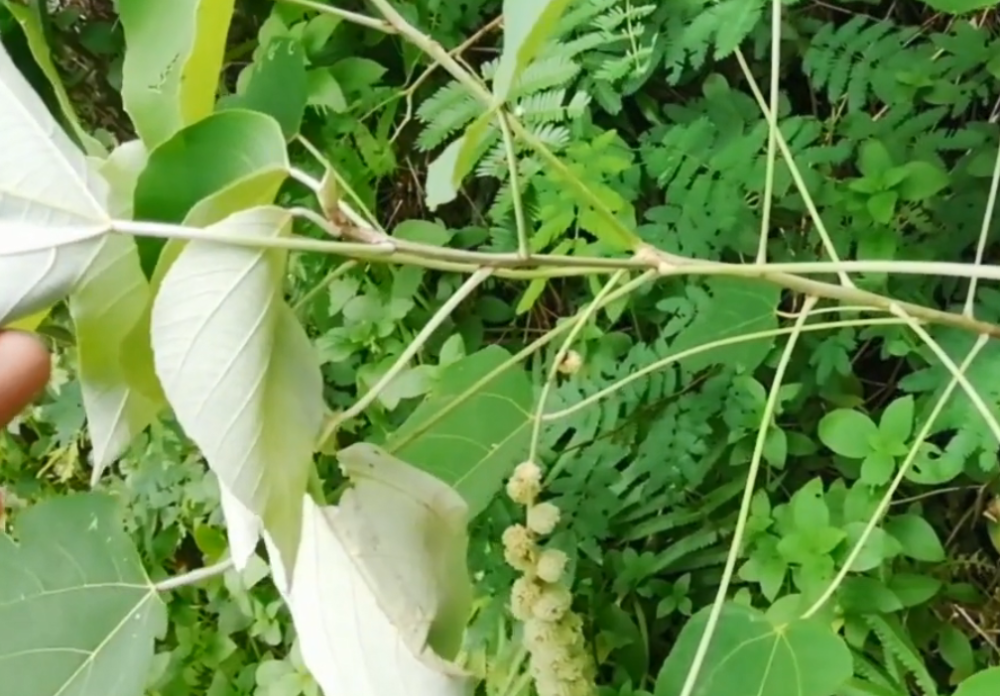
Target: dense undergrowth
[{"x": 888, "y": 108}]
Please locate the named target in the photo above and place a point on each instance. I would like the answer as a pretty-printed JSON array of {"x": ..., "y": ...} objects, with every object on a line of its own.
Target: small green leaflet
[
  {"x": 527, "y": 24},
  {"x": 474, "y": 446},
  {"x": 79, "y": 614},
  {"x": 749, "y": 654}
]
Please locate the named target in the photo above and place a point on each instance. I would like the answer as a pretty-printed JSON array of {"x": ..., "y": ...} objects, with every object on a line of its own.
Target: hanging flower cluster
[{"x": 553, "y": 635}]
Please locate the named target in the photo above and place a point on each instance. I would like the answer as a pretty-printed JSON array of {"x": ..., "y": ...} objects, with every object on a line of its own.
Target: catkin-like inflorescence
[
  {"x": 551, "y": 565},
  {"x": 525, "y": 484},
  {"x": 543, "y": 518}
]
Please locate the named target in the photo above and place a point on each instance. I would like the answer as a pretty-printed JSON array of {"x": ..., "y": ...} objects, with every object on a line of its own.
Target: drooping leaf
[
  {"x": 52, "y": 204},
  {"x": 732, "y": 307},
  {"x": 985, "y": 683},
  {"x": 438, "y": 520},
  {"x": 475, "y": 445},
  {"x": 109, "y": 301},
  {"x": 527, "y": 25},
  {"x": 278, "y": 85},
  {"x": 751, "y": 654},
  {"x": 28, "y": 18},
  {"x": 228, "y": 162},
  {"x": 239, "y": 371},
  {"x": 369, "y": 580},
  {"x": 171, "y": 71},
  {"x": 80, "y": 614}
]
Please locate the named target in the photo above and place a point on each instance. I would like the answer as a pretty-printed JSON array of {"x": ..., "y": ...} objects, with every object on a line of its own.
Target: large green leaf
[
  {"x": 475, "y": 446},
  {"x": 527, "y": 25},
  {"x": 228, "y": 162},
  {"x": 109, "y": 301},
  {"x": 750, "y": 654},
  {"x": 372, "y": 576},
  {"x": 171, "y": 71},
  {"x": 732, "y": 307},
  {"x": 985, "y": 683},
  {"x": 30, "y": 20},
  {"x": 277, "y": 85},
  {"x": 78, "y": 611},
  {"x": 52, "y": 204},
  {"x": 240, "y": 373}
]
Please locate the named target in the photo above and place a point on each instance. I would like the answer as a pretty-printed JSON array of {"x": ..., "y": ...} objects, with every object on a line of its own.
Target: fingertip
[{"x": 25, "y": 369}]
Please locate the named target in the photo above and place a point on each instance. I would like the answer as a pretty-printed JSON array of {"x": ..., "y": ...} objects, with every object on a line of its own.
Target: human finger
[{"x": 25, "y": 367}]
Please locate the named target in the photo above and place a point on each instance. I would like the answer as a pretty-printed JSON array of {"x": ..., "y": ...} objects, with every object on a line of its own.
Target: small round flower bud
[
  {"x": 525, "y": 484},
  {"x": 523, "y": 595},
  {"x": 553, "y": 603},
  {"x": 519, "y": 548},
  {"x": 571, "y": 363},
  {"x": 543, "y": 518},
  {"x": 551, "y": 565}
]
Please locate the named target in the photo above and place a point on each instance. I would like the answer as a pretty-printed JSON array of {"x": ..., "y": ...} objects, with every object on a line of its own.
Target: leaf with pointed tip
[
  {"x": 446, "y": 173},
  {"x": 28, "y": 16},
  {"x": 239, "y": 371},
  {"x": 109, "y": 301},
  {"x": 527, "y": 25},
  {"x": 79, "y": 613},
  {"x": 368, "y": 583},
  {"x": 170, "y": 76},
  {"x": 51, "y": 202}
]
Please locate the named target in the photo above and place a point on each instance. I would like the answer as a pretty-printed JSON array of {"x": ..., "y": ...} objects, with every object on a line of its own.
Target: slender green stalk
[
  {"x": 984, "y": 232},
  {"x": 578, "y": 324},
  {"x": 772, "y": 131},
  {"x": 744, "y": 514}
]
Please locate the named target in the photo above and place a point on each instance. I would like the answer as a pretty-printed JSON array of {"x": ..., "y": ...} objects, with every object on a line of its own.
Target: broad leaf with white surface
[
  {"x": 110, "y": 300},
  {"x": 240, "y": 373},
  {"x": 378, "y": 578},
  {"x": 52, "y": 203}
]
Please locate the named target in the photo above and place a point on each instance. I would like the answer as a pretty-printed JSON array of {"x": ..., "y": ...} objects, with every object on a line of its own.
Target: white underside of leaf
[
  {"x": 49, "y": 196},
  {"x": 35, "y": 281},
  {"x": 239, "y": 370},
  {"x": 243, "y": 528},
  {"x": 106, "y": 305},
  {"x": 349, "y": 642}
]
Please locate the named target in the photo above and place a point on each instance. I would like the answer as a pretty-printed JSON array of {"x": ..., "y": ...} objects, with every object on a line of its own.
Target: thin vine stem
[
  {"x": 515, "y": 186},
  {"x": 578, "y": 324},
  {"x": 195, "y": 576},
  {"x": 793, "y": 168},
  {"x": 414, "y": 347},
  {"x": 886, "y": 500},
  {"x": 984, "y": 231},
  {"x": 772, "y": 128},
  {"x": 744, "y": 513},
  {"x": 526, "y": 352},
  {"x": 663, "y": 363}
]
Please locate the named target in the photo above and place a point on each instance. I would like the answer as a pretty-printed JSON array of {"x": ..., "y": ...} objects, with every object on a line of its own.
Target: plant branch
[
  {"x": 772, "y": 130},
  {"x": 515, "y": 186},
  {"x": 662, "y": 363},
  {"x": 786, "y": 153},
  {"x": 353, "y": 17},
  {"x": 984, "y": 231},
  {"x": 741, "y": 521},
  {"x": 578, "y": 324},
  {"x": 194, "y": 577}
]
